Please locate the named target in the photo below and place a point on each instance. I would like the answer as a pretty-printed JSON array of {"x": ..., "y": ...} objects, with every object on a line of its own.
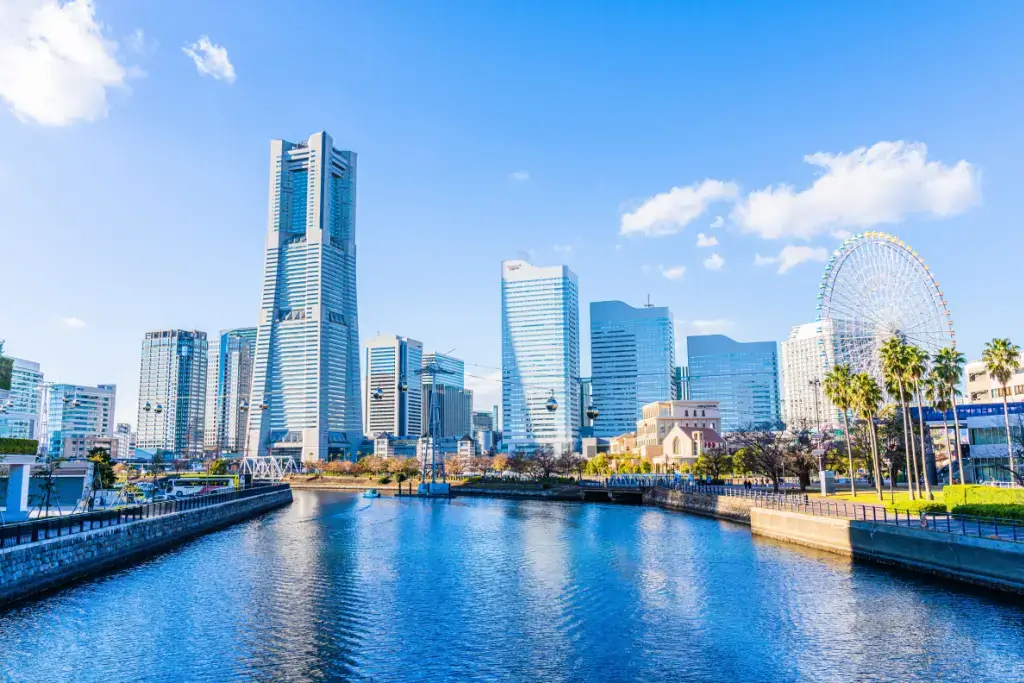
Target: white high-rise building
[
  {"x": 306, "y": 371},
  {"x": 172, "y": 392},
  {"x": 21, "y": 407},
  {"x": 540, "y": 357},
  {"x": 394, "y": 393},
  {"x": 228, "y": 382},
  {"x": 800, "y": 362}
]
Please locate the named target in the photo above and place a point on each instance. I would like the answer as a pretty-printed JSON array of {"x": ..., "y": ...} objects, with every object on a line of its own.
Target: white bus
[{"x": 193, "y": 484}]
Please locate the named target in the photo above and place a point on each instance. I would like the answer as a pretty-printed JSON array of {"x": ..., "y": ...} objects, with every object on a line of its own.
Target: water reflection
[{"x": 337, "y": 587}]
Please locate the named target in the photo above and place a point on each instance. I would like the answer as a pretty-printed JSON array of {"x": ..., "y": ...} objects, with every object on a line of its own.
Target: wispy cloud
[
  {"x": 211, "y": 60},
  {"x": 519, "y": 176},
  {"x": 565, "y": 249},
  {"x": 56, "y": 66},
  {"x": 667, "y": 272},
  {"x": 706, "y": 240},
  {"x": 792, "y": 256},
  {"x": 138, "y": 42},
  {"x": 73, "y": 322},
  {"x": 714, "y": 262},
  {"x": 718, "y": 222},
  {"x": 669, "y": 212}
]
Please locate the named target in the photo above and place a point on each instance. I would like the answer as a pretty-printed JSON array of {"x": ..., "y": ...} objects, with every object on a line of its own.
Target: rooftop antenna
[{"x": 648, "y": 304}]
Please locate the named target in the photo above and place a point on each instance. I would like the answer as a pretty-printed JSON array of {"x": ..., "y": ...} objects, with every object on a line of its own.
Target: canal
[{"x": 337, "y": 587}]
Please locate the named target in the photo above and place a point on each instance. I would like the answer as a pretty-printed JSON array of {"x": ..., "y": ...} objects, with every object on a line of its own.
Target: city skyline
[{"x": 622, "y": 233}]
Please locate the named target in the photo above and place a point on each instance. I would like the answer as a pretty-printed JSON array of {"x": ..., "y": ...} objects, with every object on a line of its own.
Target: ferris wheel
[{"x": 876, "y": 287}]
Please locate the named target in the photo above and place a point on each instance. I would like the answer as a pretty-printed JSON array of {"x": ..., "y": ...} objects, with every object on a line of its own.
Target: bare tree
[
  {"x": 762, "y": 449},
  {"x": 48, "y": 496},
  {"x": 544, "y": 462}
]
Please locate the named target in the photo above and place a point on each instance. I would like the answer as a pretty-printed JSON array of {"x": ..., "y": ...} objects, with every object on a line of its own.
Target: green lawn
[{"x": 869, "y": 497}]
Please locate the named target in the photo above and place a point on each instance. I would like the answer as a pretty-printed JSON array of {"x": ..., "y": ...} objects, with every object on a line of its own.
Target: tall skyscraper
[
  {"x": 75, "y": 412},
  {"x": 632, "y": 360},
  {"x": 742, "y": 376},
  {"x": 306, "y": 370},
  {"x": 682, "y": 383},
  {"x": 228, "y": 381},
  {"x": 394, "y": 390},
  {"x": 21, "y": 409},
  {"x": 455, "y": 402},
  {"x": 540, "y": 357},
  {"x": 453, "y": 370},
  {"x": 803, "y": 399},
  {"x": 172, "y": 392}
]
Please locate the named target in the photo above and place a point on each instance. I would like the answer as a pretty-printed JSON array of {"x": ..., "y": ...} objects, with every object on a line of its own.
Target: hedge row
[
  {"x": 916, "y": 506},
  {"x": 18, "y": 446},
  {"x": 974, "y": 494},
  {"x": 1000, "y": 510}
]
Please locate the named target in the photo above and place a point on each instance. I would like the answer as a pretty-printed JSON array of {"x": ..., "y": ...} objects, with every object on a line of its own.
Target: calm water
[{"x": 341, "y": 588}]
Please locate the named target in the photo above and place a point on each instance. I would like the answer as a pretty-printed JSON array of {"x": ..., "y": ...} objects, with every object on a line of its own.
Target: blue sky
[{"x": 133, "y": 186}]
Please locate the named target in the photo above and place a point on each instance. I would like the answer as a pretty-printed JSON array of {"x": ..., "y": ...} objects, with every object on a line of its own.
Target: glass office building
[
  {"x": 742, "y": 376},
  {"x": 173, "y": 378},
  {"x": 307, "y": 344},
  {"x": 73, "y": 412},
  {"x": 540, "y": 357},
  {"x": 21, "y": 408},
  {"x": 394, "y": 362},
  {"x": 453, "y": 370},
  {"x": 228, "y": 381},
  {"x": 632, "y": 360}
]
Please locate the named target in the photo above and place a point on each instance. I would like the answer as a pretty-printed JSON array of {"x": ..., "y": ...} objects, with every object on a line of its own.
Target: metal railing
[
  {"x": 943, "y": 522},
  {"x": 21, "y": 533}
]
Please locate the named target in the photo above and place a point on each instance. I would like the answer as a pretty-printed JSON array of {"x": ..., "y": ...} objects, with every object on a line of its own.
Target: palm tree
[
  {"x": 917, "y": 366},
  {"x": 935, "y": 395},
  {"x": 949, "y": 366},
  {"x": 838, "y": 386},
  {"x": 1002, "y": 359},
  {"x": 894, "y": 363},
  {"x": 867, "y": 396}
]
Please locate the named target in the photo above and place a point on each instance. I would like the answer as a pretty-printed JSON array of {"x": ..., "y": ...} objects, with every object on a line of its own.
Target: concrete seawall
[
  {"x": 982, "y": 561},
  {"x": 56, "y": 562},
  {"x": 731, "y": 508}
]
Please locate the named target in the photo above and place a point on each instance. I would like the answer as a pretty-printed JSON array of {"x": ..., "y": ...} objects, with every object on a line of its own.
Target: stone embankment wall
[
  {"x": 55, "y": 562},
  {"x": 723, "y": 507},
  {"x": 983, "y": 561}
]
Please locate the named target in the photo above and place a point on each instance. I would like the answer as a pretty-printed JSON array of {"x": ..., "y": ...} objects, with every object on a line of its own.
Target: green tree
[
  {"x": 917, "y": 368},
  {"x": 714, "y": 462},
  {"x": 867, "y": 397},
  {"x": 1002, "y": 359},
  {"x": 949, "y": 367},
  {"x": 100, "y": 459},
  {"x": 894, "y": 366},
  {"x": 219, "y": 466},
  {"x": 935, "y": 395},
  {"x": 838, "y": 386}
]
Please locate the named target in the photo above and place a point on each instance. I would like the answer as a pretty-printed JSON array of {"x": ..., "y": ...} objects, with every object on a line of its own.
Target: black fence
[
  {"x": 21, "y": 533},
  {"x": 943, "y": 522}
]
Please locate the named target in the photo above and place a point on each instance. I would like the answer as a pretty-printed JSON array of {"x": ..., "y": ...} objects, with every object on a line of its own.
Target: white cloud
[
  {"x": 486, "y": 389},
  {"x": 674, "y": 272},
  {"x": 669, "y": 273},
  {"x": 706, "y": 241},
  {"x": 520, "y": 176},
  {"x": 669, "y": 212},
  {"x": 139, "y": 43},
  {"x": 563, "y": 249},
  {"x": 718, "y": 222},
  {"x": 883, "y": 183},
  {"x": 792, "y": 256},
  {"x": 211, "y": 60},
  {"x": 73, "y": 322},
  {"x": 714, "y": 262},
  {"x": 55, "y": 64}
]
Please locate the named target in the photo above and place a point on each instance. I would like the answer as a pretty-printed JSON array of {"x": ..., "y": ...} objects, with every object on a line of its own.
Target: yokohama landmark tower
[{"x": 305, "y": 391}]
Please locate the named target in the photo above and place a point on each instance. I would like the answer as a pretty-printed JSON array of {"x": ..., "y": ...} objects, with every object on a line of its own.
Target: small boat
[{"x": 371, "y": 493}]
